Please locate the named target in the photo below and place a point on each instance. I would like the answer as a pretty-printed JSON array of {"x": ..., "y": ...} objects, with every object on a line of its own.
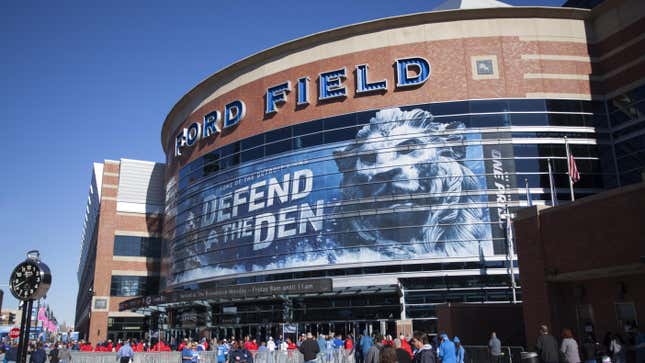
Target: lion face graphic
[{"x": 408, "y": 168}]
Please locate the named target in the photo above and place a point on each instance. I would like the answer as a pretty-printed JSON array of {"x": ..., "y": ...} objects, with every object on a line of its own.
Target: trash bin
[{"x": 529, "y": 357}]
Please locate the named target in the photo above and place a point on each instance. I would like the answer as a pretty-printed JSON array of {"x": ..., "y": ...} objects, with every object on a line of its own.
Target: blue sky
[{"x": 85, "y": 81}]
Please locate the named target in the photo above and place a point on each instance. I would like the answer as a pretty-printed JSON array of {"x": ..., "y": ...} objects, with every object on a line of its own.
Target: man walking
[
  {"x": 373, "y": 354},
  {"x": 125, "y": 353},
  {"x": 447, "y": 350},
  {"x": 366, "y": 344},
  {"x": 53, "y": 354},
  {"x": 12, "y": 354},
  {"x": 309, "y": 348},
  {"x": 38, "y": 355},
  {"x": 495, "y": 348},
  {"x": 423, "y": 349},
  {"x": 547, "y": 346}
]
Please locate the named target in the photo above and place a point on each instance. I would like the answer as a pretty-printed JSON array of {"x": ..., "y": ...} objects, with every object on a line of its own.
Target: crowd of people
[
  {"x": 613, "y": 348},
  {"x": 366, "y": 348},
  {"x": 38, "y": 352}
]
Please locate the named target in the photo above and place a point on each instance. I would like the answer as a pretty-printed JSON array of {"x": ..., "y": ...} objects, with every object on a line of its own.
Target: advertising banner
[{"x": 405, "y": 185}]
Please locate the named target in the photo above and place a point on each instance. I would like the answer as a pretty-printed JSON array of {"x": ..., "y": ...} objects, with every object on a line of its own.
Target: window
[
  {"x": 134, "y": 285},
  {"x": 100, "y": 304},
  {"x": 340, "y": 135},
  {"x": 137, "y": 246},
  {"x": 252, "y": 142},
  {"x": 626, "y": 314},
  {"x": 278, "y": 134},
  {"x": 278, "y": 147},
  {"x": 341, "y": 121},
  {"x": 529, "y": 119},
  {"x": 253, "y": 154},
  {"x": 527, "y": 105},
  {"x": 307, "y": 140},
  {"x": 307, "y": 128}
]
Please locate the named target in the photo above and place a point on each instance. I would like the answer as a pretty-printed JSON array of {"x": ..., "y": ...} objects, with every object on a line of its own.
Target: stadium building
[{"x": 359, "y": 177}]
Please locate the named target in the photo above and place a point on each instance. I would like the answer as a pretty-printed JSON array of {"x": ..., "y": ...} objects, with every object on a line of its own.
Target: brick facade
[
  {"x": 110, "y": 223},
  {"x": 587, "y": 256}
]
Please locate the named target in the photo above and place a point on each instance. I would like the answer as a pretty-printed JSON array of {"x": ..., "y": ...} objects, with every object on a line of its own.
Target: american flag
[{"x": 574, "y": 174}]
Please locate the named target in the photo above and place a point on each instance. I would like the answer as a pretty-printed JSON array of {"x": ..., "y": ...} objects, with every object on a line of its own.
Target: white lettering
[
  {"x": 224, "y": 203},
  {"x": 238, "y": 199},
  {"x": 281, "y": 191},
  {"x": 255, "y": 195},
  {"x": 260, "y": 221},
  {"x": 284, "y": 221},
  {"x": 307, "y": 215},
  {"x": 308, "y": 175}
]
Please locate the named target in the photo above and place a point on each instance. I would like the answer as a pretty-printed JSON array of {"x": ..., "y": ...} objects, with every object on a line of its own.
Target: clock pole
[{"x": 25, "y": 326}]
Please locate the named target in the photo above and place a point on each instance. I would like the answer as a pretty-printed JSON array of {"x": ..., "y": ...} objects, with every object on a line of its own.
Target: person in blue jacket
[
  {"x": 461, "y": 352},
  {"x": 365, "y": 343},
  {"x": 222, "y": 351},
  {"x": 447, "y": 351}
]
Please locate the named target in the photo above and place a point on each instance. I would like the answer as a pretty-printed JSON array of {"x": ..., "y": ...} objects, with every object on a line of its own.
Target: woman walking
[{"x": 569, "y": 347}]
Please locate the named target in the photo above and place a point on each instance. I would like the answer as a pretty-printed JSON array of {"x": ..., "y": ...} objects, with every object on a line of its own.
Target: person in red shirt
[
  {"x": 118, "y": 346},
  {"x": 160, "y": 347},
  {"x": 109, "y": 346},
  {"x": 205, "y": 343},
  {"x": 182, "y": 345},
  {"x": 388, "y": 341},
  {"x": 349, "y": 343},
  {"x": 139, "y": 348},
  {"x": 86, "y": 347},
  {"x": 291, "y": 345},
  {"x": 405, "y": 345},
  {"x": 247, "y": 343}
]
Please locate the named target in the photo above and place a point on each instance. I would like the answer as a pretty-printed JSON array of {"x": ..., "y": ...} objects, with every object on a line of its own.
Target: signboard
[
  {"x": 403, "y": 185},
  {"x": 289, "y": 328},
  {"x": 229, "y": 292},
  {"x": 229, "y": 310}
]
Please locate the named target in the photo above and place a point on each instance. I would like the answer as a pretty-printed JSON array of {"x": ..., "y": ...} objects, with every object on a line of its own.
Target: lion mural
[{"x": 410, "y": 169}]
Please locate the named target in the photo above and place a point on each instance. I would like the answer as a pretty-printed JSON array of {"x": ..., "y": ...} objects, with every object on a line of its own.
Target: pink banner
[{"x": 42, "y": 316}]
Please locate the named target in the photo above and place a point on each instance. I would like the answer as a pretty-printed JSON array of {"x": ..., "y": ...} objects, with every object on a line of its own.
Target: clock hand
[{"x": 20, "y": 283}]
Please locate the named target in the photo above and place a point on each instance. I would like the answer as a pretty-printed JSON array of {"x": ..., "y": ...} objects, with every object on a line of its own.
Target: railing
[
  {"x": 481, "y": 354},
  {"x": 156, "y": 357},
  {"x": 474, "y": 354}
]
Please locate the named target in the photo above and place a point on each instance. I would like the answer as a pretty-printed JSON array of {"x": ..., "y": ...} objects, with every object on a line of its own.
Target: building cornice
[{"x": 221, "y": 77}]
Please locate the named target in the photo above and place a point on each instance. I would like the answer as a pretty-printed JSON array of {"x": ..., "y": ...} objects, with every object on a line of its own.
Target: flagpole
[
  {"x": 510, "y": 253},
  {"x": 528, "y": 192},
  {"x": 551, "y": 186},
  {"x": 566, "y": 146}
]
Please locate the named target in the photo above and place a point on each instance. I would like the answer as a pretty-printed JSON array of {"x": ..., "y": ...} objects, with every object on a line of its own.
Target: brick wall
[{"x": 111, "y": 221}]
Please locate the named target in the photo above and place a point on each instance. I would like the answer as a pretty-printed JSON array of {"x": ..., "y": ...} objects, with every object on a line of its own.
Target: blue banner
[{"x": 406, "y": 186}]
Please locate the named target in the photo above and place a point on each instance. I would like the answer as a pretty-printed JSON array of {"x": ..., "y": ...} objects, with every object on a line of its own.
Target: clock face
[{"x": 25, "y": 280}]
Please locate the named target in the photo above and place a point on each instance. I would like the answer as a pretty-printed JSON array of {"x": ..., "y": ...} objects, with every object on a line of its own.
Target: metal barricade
[
  {"x": 481, "y": 354},
  {"x": 206, "y": 356},
  {"x": 93, "y": 357},
  {"x": 151, "y": 357},
  {"x": 263, "y": 357},
  {"x": 157, "y": 357},
  {"x": 279, "y": 356},
  {"x": 289, "y": 356}
]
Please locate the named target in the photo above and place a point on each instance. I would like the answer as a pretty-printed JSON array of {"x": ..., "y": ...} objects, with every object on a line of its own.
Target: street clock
[{"x": 30, "y": 280}]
